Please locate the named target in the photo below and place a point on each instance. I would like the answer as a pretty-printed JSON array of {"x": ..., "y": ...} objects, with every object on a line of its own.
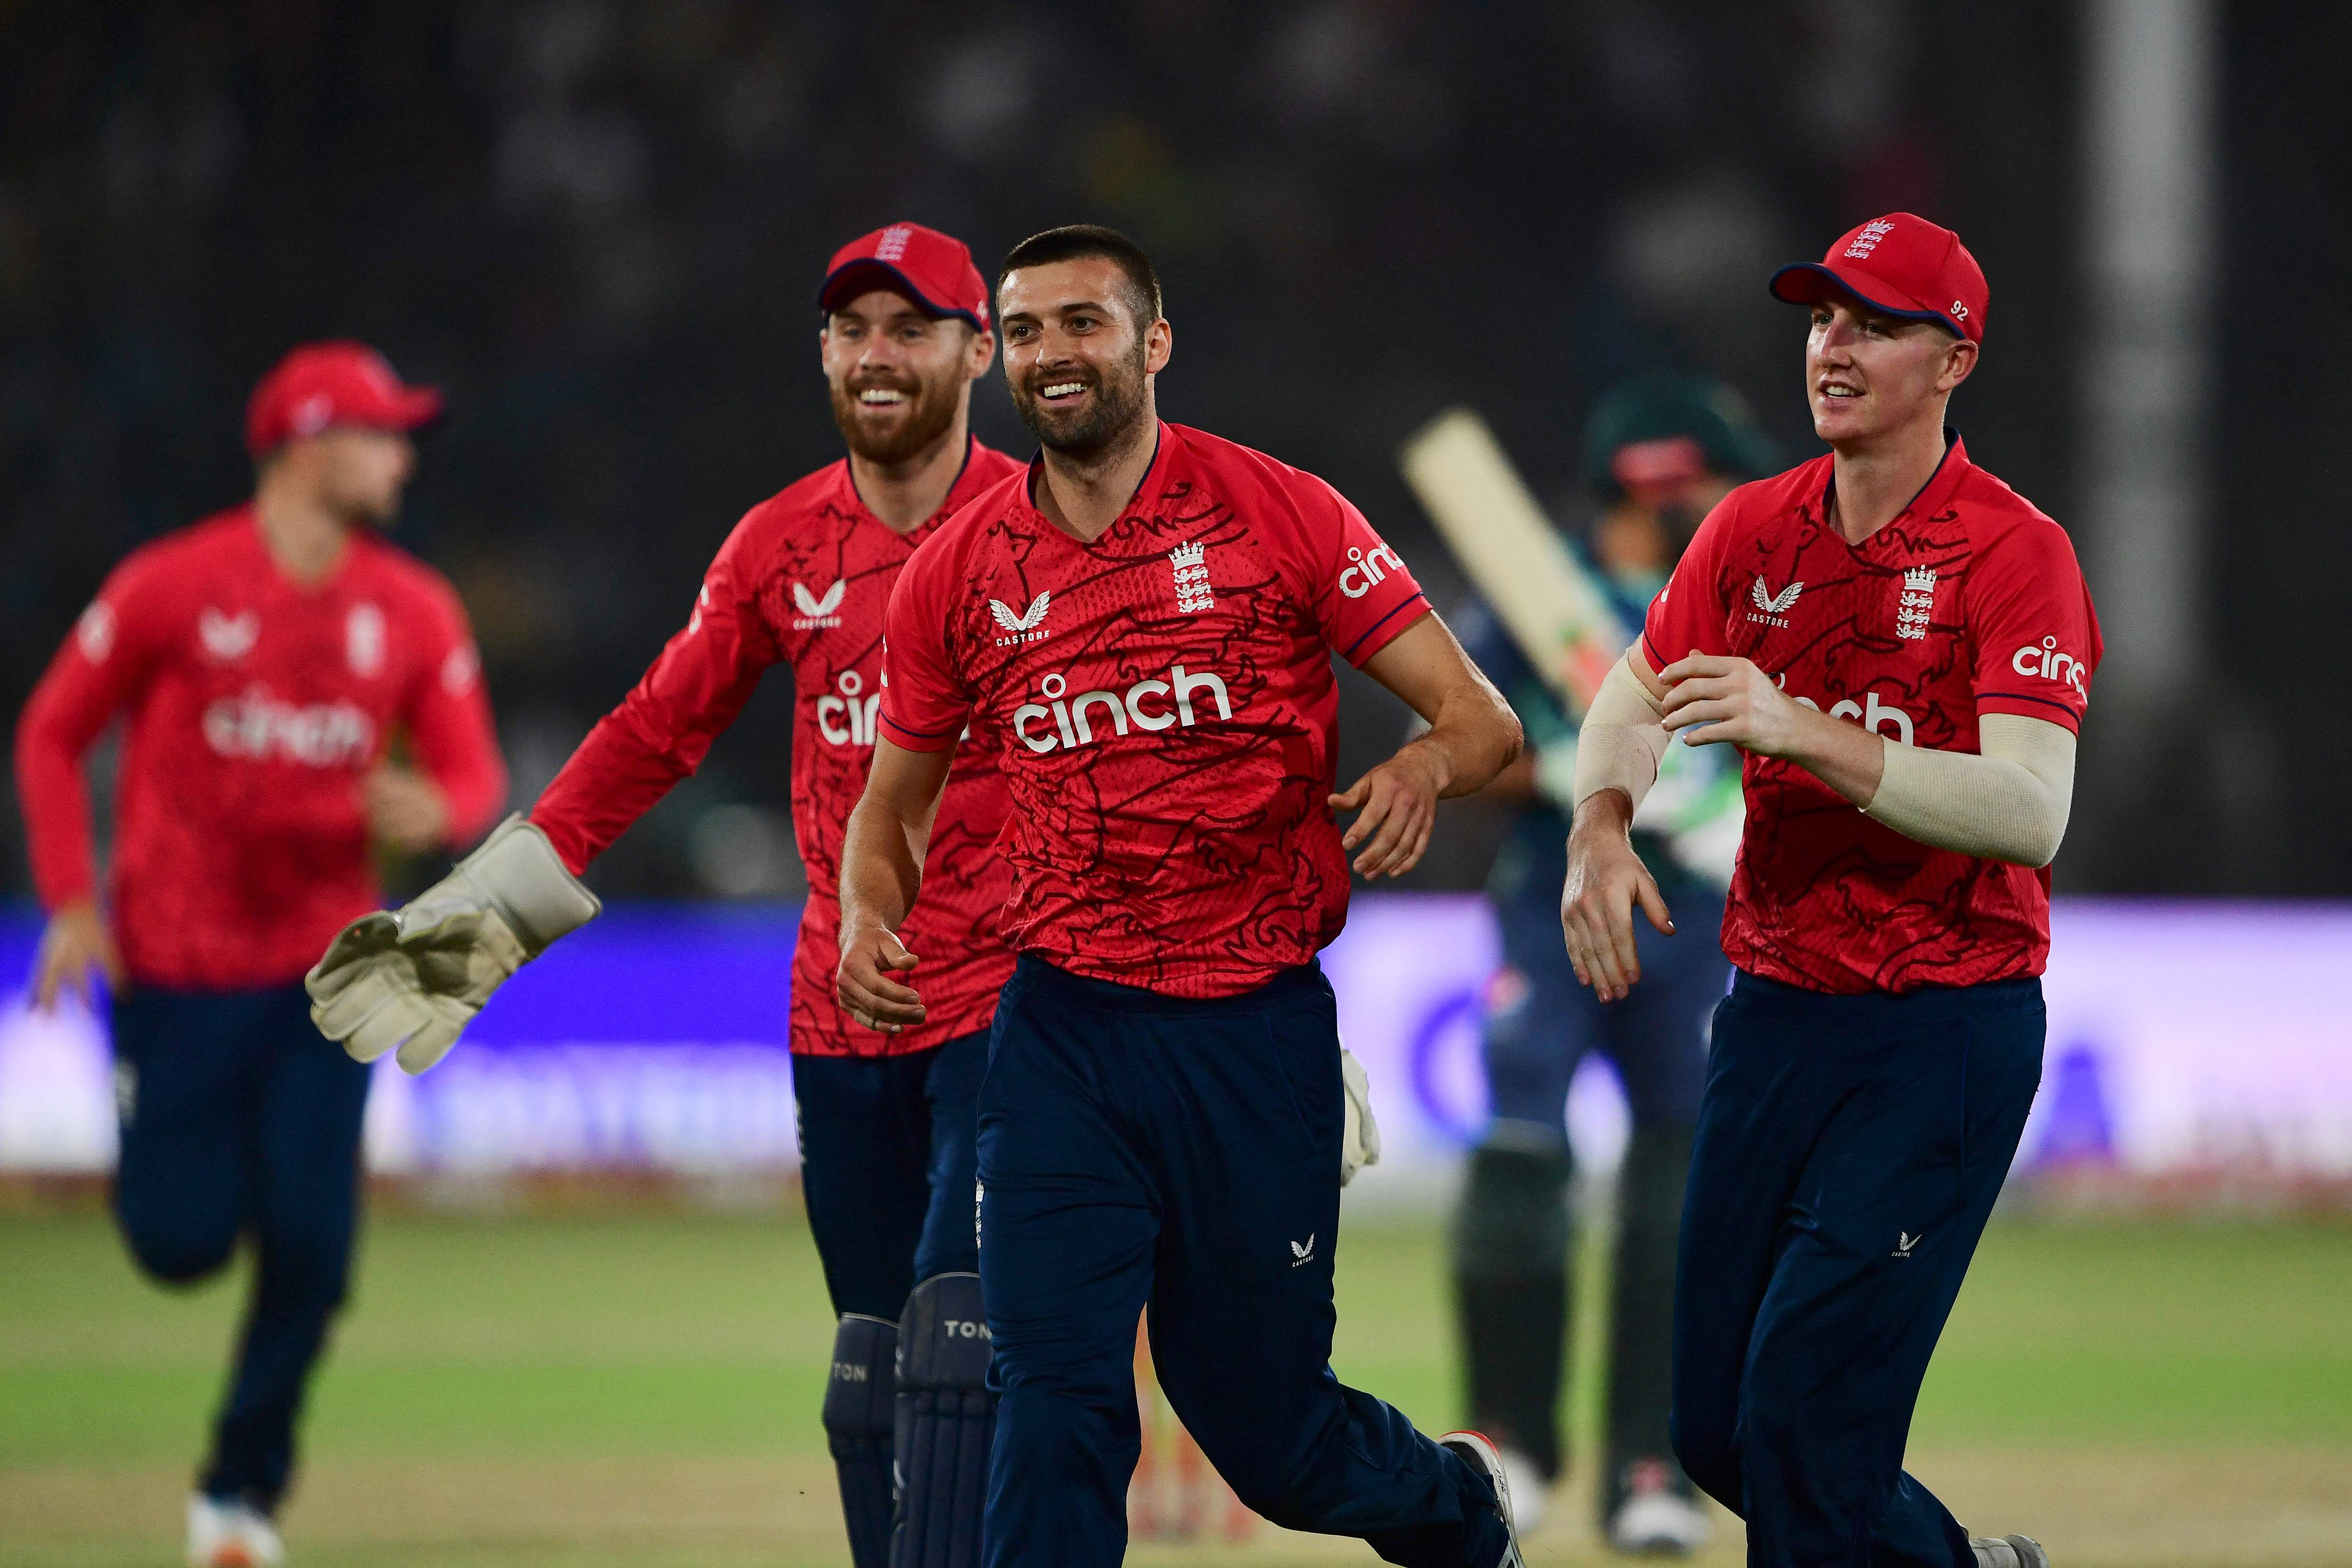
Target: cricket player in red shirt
[
  {"x": 1902, "y": 648},
  {"x": 1141, "y": 623},
  {"x": 264, "y": 659},
  {"x": 887, "y": 1121}
]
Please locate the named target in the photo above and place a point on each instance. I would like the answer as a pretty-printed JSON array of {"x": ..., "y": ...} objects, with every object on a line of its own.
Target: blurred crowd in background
[{"x": 599, "y": 227}]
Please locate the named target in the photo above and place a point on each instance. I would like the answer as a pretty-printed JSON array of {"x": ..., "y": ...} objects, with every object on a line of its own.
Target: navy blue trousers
[
  {"x": 1850, "y": 1149},
  {"x": 1134, "y": 1148},
  {"x": 239, "y": 1116},
  {"x": 888, "y": 1171},
  {"x": 1540, "y": 1022}
]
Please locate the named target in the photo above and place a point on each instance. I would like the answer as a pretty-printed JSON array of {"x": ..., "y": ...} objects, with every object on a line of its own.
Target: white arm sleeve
[
  {"x": 2009, "y": 802},
  {"x": 1621, "y": 740}
]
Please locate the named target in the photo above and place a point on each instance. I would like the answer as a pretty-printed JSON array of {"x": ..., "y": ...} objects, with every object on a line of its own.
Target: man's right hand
[
  {"x": 76, "y": 943},
  {"x": 1606, "y": 879},
  {"x": 411, "y": 979},
  {"x": 869, "y": 957}
]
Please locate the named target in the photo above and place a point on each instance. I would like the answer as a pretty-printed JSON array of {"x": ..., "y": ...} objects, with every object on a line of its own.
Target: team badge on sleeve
[{"x": 95, "y": 631}]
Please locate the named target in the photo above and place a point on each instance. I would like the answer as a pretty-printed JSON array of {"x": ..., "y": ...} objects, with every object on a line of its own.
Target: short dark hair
[{"x": 1078, "y": 241}]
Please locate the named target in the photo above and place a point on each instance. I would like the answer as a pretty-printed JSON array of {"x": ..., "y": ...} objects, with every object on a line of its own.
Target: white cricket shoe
[
  {"x": 2008, "y": 1551},
  {"x": 226, "y": 1533},
  {"x": 1474, "y": 1450},
  {"x": 1656, "y": 1518}
]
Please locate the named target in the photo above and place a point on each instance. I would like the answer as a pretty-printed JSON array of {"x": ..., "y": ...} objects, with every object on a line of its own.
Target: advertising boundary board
[{"x": 2184, "y": 1037}]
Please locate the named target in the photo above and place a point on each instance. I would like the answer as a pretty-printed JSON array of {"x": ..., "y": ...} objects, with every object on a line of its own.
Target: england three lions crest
[
  {"x": 1189, "y": 564},
  {"x": 1917, "y": 606}
]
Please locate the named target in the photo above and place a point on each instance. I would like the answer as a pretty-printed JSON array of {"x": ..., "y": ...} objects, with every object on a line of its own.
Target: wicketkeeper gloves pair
[{"x": 411, "y": 979}]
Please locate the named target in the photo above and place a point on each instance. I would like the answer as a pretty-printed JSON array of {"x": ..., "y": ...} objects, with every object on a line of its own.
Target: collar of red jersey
[
  {"x": 1148, "y": 489},
  {"x": 1932, "y": 495},
  {"x": 966, "y": 484}
]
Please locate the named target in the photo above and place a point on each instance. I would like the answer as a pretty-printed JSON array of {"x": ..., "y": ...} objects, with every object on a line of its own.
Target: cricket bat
[{"x": 1548, "y": 603}]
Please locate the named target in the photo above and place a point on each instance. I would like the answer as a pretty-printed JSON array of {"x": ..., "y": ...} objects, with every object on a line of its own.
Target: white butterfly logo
[
  {"x": 811, "y": 606},
  {"x": 1013, "y": 623},
  {"x": 1774, "y": 604},
  {"x": 1302, "y": 1249}
]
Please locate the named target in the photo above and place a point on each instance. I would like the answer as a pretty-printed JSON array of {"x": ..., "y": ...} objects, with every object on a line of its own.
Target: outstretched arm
[
  {"x": 881, "y": 870},
  {"x": 1473, "y": 736}
]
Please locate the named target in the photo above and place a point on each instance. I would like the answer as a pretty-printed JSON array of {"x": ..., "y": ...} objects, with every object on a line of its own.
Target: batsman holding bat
[
  {"x": 1900, "y": 647},
  {"x": 1660, "y": 453}
]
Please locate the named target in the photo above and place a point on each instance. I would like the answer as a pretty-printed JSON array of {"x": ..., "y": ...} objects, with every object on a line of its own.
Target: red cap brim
[
  {"x": 415, "y": 407},
  {"x": 851, "y": 278},
  {"x": 1810, "y": 282}
]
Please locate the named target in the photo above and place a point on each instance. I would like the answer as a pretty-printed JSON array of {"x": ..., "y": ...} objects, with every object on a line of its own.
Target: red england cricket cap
[
  {"x": 338, "y": 383},
  {"x": 932, "y": 269},
  {"x": 1900, "y": 264}
]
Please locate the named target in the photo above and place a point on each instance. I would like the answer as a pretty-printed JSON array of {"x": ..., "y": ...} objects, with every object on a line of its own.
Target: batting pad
[
  {"x": 945, "y": 1420},
  {"x": 858, "y": 1399}
]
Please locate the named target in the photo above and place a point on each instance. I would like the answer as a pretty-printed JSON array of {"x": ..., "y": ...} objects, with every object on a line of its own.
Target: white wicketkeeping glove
[
  {"x": 1359, "y": 1136},
  {"x": 413, "y": 977}
]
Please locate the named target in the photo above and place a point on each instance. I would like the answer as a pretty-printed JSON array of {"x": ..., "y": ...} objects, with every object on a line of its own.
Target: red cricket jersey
[
  {"x": 804, "y": 581},
  {"x": 1164, "y": 706},
  {"x": 256, "y": 708},
  {"x": 1970, "y": 602}
]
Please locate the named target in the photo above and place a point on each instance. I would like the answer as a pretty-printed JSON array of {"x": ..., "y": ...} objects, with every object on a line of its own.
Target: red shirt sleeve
[
  {"x": 663, "y": 727},
  {"x": 102, "y": 667},
  {"x": 1689, "y": 612},
  {"x": 1363, "y": 593},
  {"x": 925, "y": 705},
  {"x": 2035, "y": 632},
  {"x": 447, "y": 713}
]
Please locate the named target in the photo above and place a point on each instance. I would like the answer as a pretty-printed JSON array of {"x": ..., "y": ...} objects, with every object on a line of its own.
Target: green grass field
[{"x": 642, "y": 1390}]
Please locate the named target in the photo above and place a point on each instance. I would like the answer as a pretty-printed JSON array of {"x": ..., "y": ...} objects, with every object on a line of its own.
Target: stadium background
[{"x": 597, "y": 226}]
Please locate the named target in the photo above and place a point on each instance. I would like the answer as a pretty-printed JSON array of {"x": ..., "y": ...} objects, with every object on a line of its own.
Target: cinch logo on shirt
[
  {"x": 257, "y": 727},
  {"x": 847, "y": 719},
  {"x": 1367, "y": 571},
  {"x": 1870, "y": 714},
  {"x": 1172, "y": 705},
  {"x": 2049, "y": 664}
]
